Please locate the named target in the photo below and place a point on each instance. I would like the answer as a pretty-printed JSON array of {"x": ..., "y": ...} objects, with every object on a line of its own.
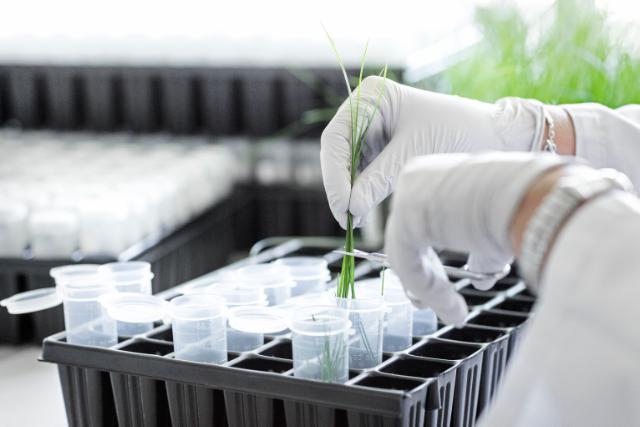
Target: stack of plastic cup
[
  {"x": 425, "y": 321},
  {"x": 398, "y": 325},
  {"x": 85, "y": 319},
  {"x": 319, "y": 336},
  {"x": 366, "y": 313},
  {"x": 130, "y": 277},
  {"x": 273, "y": 278},
  {"x": 199, "y": 325},
  {"x": 311, "y": 274},
  {"x": 241, "y": 302},
  {"x": 132, "y": 308},
  {"x": 248, "y": 324}
]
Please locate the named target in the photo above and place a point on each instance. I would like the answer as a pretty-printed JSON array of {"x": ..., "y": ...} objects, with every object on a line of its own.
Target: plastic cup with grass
[{"x": 320, "y": 343}]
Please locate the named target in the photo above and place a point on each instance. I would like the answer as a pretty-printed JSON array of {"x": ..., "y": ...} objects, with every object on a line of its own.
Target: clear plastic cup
[
  {"x": 425, "y": 321},
  {"x": 366, "y": 314},
  {"x": 130, "y": 277},
  {"x": 273, "y": 278},
  {"x": 232, "y": 294},
  {"x": 311, "y": 274},
  {"x": 398, "y": 325},
  {"x": 320, "y": 341},
  {"x": 135, "y": 308},
  {"x": 248, "y": 324},
  {"x": 252, "y": 297},
  {"x": 86, "y": 320},
  {"x": 199, "y": 325}
]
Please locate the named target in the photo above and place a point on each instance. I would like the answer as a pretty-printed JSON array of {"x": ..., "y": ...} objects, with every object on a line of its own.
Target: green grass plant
[
  {"x": 361, "y": 119},
  {"x": 573, "y": 53}
]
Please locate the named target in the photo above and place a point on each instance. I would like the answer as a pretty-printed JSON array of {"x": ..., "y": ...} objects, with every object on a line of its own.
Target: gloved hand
[
  {"x": 412, "y": 122},
  {"x": 458, "y": 202}
]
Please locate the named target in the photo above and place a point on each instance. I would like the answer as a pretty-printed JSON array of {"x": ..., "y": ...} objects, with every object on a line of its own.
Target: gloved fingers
[
  {"x": 419, "y": 276},
  {"x": 335, "y": 161},
  {"x": 377, "y": 181},
  {"x": 335, "y": 146},
  {"x": 487, "y": 263},
  {"x": 359, "y": 221}
]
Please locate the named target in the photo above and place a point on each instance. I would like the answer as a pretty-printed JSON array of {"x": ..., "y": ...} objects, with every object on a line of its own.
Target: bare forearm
[{"x": 565, "y": 138}]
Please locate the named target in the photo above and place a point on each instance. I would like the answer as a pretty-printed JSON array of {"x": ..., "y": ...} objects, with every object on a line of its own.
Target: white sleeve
[
  {"x": 608, "y": 138},
  {"x": 578, "y": 363}
]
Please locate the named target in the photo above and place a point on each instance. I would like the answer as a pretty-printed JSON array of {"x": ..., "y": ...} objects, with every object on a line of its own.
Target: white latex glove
[
  {"x": 412, "y": 122},
  {"x": 458, "y": 202}
]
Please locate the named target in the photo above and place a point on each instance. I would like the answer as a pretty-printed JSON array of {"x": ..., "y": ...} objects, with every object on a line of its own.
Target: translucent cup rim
[
  {"x": 339, "y": 324},
  {"x": 74, "y": 272}
]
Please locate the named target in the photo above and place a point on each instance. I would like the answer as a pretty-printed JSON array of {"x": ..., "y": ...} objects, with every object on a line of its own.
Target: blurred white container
[
  {"x": 14, "y": 235},
  {"x": 275, "y": 279},
  {"x": 311, "y": 274},
  {"x": 102, "y": 227},
  {"x": 53, "y": 233},
  {"x": 240, "y": 163},
  {"x": 306, "y": 163},
  {"x": 199, "y": 325},
  {"x": 273, "y": 161}
]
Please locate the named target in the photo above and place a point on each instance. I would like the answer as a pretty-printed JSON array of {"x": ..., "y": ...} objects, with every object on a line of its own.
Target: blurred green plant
[{"x": 574, "y": 54}]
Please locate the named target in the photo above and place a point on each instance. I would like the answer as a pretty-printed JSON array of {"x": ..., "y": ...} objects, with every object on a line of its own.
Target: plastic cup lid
[
  {"x": 69, "y": 271},
  {"x": 257, "y": 320},
  {"x": 31, "y": 301},
  {"x": 134, "y": 307}
]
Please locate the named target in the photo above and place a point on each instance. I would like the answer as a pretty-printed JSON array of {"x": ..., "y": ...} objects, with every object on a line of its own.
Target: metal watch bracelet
[{"x": 569, "y": 193}]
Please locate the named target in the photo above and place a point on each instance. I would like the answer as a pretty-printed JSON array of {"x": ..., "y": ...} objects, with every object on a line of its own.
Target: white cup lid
[
  {"x": 135, "y": 307},
  {"x": 31, "y": 301},
  {"x": 257, "y": 320}
]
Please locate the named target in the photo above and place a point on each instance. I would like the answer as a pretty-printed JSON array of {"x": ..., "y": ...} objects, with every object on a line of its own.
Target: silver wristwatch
[{"x": 569, "y": 193}]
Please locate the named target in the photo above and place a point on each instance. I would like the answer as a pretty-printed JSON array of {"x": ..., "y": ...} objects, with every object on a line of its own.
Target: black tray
[{"x": 441, "y": 380}]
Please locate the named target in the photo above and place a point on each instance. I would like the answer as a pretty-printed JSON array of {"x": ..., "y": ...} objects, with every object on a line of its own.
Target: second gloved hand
[{"x": 459, "y": 202}]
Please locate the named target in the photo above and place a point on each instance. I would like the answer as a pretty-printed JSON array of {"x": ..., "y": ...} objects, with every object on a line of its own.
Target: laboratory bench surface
[{"x": 29, "y": 390}]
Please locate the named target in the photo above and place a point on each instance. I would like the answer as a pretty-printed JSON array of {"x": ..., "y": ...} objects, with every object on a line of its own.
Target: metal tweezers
[{"x": 454, "y": 272}]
